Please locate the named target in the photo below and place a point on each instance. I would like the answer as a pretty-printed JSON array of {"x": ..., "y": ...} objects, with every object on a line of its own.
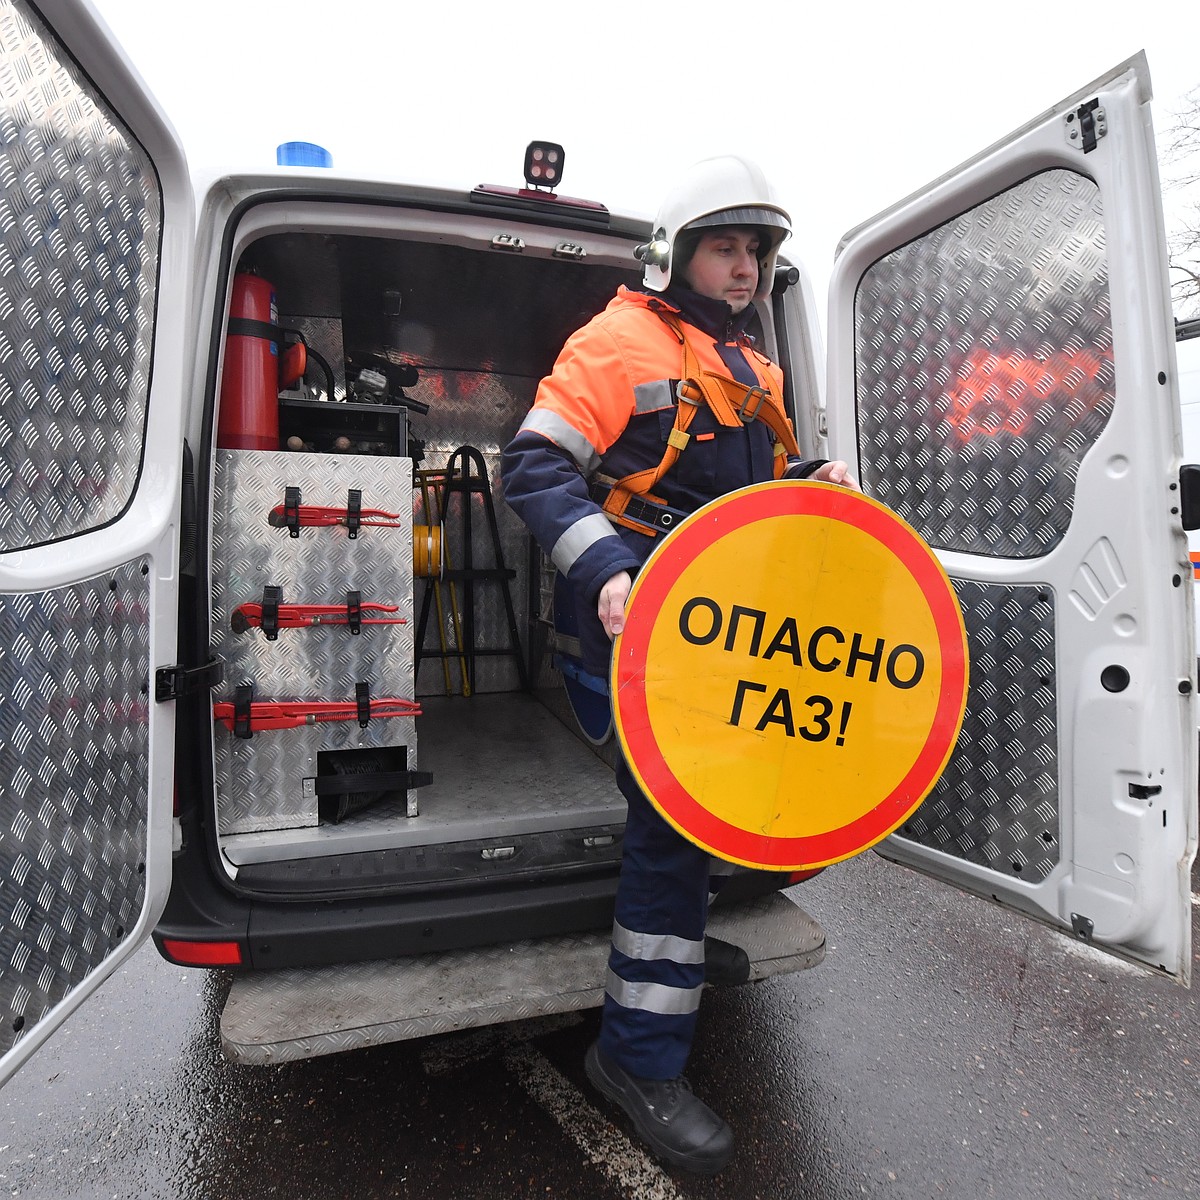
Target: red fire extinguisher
[{"x": 254, "y": 370}]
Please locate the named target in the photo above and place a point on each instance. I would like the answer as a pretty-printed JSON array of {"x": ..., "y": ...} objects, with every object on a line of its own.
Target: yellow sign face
[{"x": 792, "y": 675}]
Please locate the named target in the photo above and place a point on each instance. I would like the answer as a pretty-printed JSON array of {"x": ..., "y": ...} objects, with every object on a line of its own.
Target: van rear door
[
  {"x": 96, "y": 230},
  {"x": 1001, "y": 370}
]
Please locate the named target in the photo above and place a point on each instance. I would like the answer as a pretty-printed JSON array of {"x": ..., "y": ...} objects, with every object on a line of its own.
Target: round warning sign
[{"x": 792, "y": 675}]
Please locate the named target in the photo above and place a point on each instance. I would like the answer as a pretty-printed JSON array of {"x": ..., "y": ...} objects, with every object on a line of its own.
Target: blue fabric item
[{"x": 663, "y": 889}]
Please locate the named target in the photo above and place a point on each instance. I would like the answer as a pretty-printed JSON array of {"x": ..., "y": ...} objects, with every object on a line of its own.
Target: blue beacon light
[{"x": 302, "y": 154}]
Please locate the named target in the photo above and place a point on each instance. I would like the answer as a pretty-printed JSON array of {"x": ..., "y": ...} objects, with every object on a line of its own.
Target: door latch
[
  {"x": 1086, "y": 126},
  {"x": 171, "y": 683}
]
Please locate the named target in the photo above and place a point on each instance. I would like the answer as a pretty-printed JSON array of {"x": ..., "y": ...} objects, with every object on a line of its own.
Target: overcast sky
[{"x": 847, "y": 105}]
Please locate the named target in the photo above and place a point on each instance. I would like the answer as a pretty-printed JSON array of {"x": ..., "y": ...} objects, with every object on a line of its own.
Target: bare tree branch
[
  {"x": 1183, "y": 141},
  {"x": 1180, "y": 161}
]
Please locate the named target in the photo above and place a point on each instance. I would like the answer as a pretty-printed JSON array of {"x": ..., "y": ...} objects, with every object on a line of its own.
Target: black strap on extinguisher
[{"x": 245, "y": 327}]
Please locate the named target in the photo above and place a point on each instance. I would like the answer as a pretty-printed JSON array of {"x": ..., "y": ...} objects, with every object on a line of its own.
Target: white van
[{"x": 216, "y": 730}]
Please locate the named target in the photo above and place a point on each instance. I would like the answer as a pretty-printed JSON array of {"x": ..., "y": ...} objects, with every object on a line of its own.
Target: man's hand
[
  {"x": 836, "y": 472},
  {"x": 610, "y": 608}
]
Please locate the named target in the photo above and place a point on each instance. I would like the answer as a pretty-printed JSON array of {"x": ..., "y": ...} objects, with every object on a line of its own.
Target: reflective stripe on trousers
[{"x": 656, "y": 966}]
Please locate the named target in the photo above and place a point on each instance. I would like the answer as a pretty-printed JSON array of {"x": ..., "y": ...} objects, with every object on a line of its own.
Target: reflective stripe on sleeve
[
  {"x": 645, "y": 946},
  {"x": 561, "y": 433},
  {"x": 650, "y": 397},
  {"x": 653, "y": 997},
  {"x": 581, "y": 536}
]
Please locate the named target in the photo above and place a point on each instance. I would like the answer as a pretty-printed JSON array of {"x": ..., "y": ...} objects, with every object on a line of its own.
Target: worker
[{"x": 661, "y": 403}]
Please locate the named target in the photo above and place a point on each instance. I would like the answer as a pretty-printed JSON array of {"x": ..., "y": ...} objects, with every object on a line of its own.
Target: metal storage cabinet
[{"x": 268, "y": 781}]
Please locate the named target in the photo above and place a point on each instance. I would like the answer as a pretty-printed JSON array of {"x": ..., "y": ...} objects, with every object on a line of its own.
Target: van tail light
[{"x": 202, "y": 954}]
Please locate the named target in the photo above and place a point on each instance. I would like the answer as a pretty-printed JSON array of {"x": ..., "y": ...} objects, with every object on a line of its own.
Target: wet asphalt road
[{"x": 943, "y": 1049}]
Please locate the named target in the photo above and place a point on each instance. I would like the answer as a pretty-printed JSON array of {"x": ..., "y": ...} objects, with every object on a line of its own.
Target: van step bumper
[{"x": 285, "y": 1015}]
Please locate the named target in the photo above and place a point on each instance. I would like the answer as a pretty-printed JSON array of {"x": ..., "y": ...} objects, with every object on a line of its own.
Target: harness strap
[
  {"x": 645, "y": 514},
  {"x": 733, "y": 405},
  {"x": 640, "y": 483}
]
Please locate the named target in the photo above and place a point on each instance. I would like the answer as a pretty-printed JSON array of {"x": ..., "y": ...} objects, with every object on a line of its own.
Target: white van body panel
[
  {"x": 1000, "y": 374},
  {"x": 98, "y": 273}
]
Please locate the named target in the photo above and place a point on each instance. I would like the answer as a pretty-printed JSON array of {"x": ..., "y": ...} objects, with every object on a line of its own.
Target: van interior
[{"x": 424, "y": 338}]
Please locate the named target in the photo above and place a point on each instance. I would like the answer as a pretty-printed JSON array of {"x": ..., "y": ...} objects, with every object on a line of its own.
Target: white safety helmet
[{"x": 715, "y": 192}]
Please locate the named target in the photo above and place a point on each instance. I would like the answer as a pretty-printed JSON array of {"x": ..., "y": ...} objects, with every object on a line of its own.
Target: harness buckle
[
  {"x": 747, "y": 412},
  {"x": 687, "y": 392}
]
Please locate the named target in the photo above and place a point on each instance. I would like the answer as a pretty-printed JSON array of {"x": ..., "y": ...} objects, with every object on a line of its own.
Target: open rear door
[
  {"x": 96, "y": 231},
  {"x": 1002, "y": 371}
]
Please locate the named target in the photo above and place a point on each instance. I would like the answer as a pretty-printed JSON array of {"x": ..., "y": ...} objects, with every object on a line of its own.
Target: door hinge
[
  {"x": 1086, "y": 126},
  {"x": 170, "y": 683}
]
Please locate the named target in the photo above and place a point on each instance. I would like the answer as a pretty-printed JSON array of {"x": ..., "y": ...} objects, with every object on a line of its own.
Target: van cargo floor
[
  {"x": 280, "y": 1016},
  {"x": 502, "y": 764}
]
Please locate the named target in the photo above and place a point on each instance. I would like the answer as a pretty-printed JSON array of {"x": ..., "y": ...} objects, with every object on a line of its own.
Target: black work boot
[
  {"x": 725, "y": 963},
  {"x": 670, "y": 1120}
]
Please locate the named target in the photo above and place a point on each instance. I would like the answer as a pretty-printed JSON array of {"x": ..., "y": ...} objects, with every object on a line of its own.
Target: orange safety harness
[{"x": 733, "y": 405}]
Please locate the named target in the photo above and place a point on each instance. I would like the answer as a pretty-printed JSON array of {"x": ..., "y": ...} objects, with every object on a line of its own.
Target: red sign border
[{"x": 651, "y": 590}]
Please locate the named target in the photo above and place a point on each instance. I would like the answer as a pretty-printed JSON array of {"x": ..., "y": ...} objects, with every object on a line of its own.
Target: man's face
[{"x": 725, "y": 266}]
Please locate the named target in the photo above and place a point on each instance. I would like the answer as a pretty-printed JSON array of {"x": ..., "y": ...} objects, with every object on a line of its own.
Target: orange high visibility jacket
[{"x": 607, "y": 410}]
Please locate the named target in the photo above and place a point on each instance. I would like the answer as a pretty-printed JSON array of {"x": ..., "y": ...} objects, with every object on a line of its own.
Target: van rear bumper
[
  {"x": 295, "y": 935},
  {"x": 309, "y": 934}
]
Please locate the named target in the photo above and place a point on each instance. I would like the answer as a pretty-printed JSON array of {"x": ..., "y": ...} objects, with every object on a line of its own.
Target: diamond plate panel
[
  {"x": 74, "y": 753},
  {"x": 997, "y": 802},
  {"x": 261, "y": 781},
  {"x": 282, "y": 1016},
  {"x": 485, "y": 411},
  {"x": 80, "y": 217},
  {"x": 984, "y": 368}
]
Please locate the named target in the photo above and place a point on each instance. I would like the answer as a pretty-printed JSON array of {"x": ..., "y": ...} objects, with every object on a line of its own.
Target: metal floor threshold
[{"x": 285, "y": 1015}]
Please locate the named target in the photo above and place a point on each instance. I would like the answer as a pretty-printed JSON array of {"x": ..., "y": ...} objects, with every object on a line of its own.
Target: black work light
[{"x": 543, "y": 164}]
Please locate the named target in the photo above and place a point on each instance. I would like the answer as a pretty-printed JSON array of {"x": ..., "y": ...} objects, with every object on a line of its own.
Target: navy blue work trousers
[{"x": 656, "y": 966}]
